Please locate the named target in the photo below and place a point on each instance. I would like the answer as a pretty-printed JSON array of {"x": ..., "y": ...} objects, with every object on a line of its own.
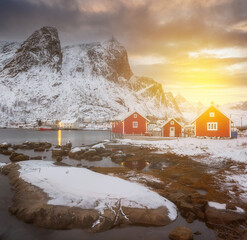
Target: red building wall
[
  {"x": 223, "y": 124},
  {"x": 166, "y": 129},
  {"x": 128, "y": 124},
  {"x": 117, "y": 127}
]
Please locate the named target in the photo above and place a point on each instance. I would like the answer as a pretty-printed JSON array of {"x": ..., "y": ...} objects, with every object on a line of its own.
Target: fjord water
[
  {"x": 12, "y": 228},
  {"x": 77, "y": 137}
]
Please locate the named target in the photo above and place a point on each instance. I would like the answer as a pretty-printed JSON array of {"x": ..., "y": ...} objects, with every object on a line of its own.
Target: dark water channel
[{"x": 12, "y": 228}]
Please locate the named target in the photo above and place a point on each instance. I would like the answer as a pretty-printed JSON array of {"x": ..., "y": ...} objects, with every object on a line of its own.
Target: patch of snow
[
  {"x": 212, "y": 149},
  {"x": 76, "y": 149},
  {"x": 222, "y": 206},
  {"x": 79, "y": 187},
  {"x": 241, "y": 181},
  {"x": 100, "y": 145},
  {"x": 2, "y": 164}
]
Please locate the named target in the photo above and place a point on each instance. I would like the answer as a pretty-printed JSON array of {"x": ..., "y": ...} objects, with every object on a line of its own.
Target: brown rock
[
  {"x": 6, "y": 152},
  {"x": 59, "y": 152},
  {"x": 96, "y": 158},
  {"x": 181, "y": 233},
  {"x": 17, "y": 157},
  {"x": 59, "y": 158},
  {"x": 36, "y": 158},
  {"x": 231, "y": 206},
  {"x": 217, "y": 216},
  {"x": 39, "y": 149}
]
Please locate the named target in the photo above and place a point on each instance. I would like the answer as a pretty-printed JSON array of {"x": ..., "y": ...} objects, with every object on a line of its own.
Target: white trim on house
[
  {"x": 171, "y": 124},
  {"x": 212, "y": 114},
  {"x": 172, "y": 130},
  {"x": 206, "y": 109},
  {"x": 124, "y": 116},
  {"x": 212, "y": 126},
  {"x": 134, "y": 124}
]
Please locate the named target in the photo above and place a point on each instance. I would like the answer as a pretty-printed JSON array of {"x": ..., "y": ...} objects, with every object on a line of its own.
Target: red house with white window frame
[
  {"x": 171, "y": 128},
  {"x": 213, "y": 123},
  {"x": 130, "y": 123}
]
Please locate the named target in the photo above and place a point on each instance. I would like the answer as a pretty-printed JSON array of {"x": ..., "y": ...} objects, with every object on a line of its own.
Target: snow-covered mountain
[
  {"x": 41, "y": 80},
  {"x": 237, "y": 111},
  {"x": 190, "y": 110}
]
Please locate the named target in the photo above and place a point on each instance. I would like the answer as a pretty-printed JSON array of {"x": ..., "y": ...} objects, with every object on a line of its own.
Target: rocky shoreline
[
  {"x": 30, "y": 205},
  {"x": 187, "y": 183}
]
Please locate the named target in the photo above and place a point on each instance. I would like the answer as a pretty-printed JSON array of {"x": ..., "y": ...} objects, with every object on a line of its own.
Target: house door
[{"x": 172, "y": 132}]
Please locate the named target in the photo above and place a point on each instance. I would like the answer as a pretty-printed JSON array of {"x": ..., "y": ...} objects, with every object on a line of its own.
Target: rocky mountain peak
[
  {"x": 41, "y": 48},
  {"x": 115, "y": 57}
]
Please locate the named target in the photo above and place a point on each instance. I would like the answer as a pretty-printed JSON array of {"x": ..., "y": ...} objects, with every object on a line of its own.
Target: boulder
[
  {"x": 59, "y": 158},
  {"x": 6, "y": 152},
  {"x": 68, "y": 145},
  {"x": 47, "y": 145},
  {"x": 4, "y": 146},
  {"x": 119, "y": 156},
  {"x": 181, "y": 233},
  {"x": 17, "y": 157},
  {"x": 77, "y": 153},
  {"x": 96, "y": 158},
  {"x": 59, "y": 152},
  {"x": 36, "y": 158},
  {"x": 39, "y": 149},
  {"x": 89, "y": 153},
  {"x": 219, "y": 216}
]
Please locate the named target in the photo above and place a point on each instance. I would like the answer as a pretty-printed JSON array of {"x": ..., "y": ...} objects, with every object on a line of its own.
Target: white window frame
[
  {"x": 135, "y": 124},
  {"x": 172, "y": 122},
  {"x": 212, "y": 126},
  {"x": 211, "y": 114},
  {"x": 135, "y": 115}
]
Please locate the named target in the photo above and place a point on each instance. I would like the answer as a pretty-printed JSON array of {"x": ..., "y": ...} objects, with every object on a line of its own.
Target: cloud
[{"x": 161, "y": 30}]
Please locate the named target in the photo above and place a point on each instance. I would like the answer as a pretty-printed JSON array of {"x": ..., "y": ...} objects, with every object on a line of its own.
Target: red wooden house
[
  {"x": 171, "y": 128},
  {"x": 130, "y": 123},
  {"x": 213, "y": 123}
]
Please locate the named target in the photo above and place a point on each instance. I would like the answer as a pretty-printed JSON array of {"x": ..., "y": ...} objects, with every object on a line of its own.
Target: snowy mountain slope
[
  {"x": 7, "y": 50},
  {"x": 190, "y": 110},
  {"x": 44, "y": 81},
  {"x": 236, "y": 111}
]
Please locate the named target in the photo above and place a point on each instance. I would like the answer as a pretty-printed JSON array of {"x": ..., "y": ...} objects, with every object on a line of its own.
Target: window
[
  {"x": 135, "y": 124},
  {"x": 172, "y": 122},
  {"x": 212, "y": 126},
  {"x": 135, "y": 115},
  {"x": 211, "y": 114}
]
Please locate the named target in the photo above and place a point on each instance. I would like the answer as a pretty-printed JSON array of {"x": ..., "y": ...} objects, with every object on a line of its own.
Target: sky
[{"x": 197, "y": 48}]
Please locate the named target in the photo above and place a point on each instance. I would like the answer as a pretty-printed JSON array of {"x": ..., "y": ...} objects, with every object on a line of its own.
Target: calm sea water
[
  {"x": 55, "y": 137},
  {"x": 13, "y": 229}
]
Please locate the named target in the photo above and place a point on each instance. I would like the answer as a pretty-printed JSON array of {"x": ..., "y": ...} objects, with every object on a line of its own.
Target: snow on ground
[
  {"x": 241, "y": 181},
  {"x": 210, "y": 151},
  {"x": 222, "y": 206},
  {"x": 213, "y": 150},
  {"x": 80, "y": 187}
]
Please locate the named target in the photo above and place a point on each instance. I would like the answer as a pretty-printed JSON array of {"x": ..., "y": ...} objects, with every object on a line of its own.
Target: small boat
[{"x": 45, "y": 128}]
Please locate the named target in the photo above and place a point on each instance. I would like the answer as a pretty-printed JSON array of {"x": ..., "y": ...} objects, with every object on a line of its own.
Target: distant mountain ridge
[{"x": 41, "y": 80}]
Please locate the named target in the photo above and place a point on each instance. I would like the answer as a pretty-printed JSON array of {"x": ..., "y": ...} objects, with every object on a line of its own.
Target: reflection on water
[
  {"x": 135, "y": 165},
  {"x": 59, "y": 137}
]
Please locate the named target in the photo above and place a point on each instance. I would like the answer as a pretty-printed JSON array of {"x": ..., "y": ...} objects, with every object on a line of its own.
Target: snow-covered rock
[{"x": 80, "y": 187}]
